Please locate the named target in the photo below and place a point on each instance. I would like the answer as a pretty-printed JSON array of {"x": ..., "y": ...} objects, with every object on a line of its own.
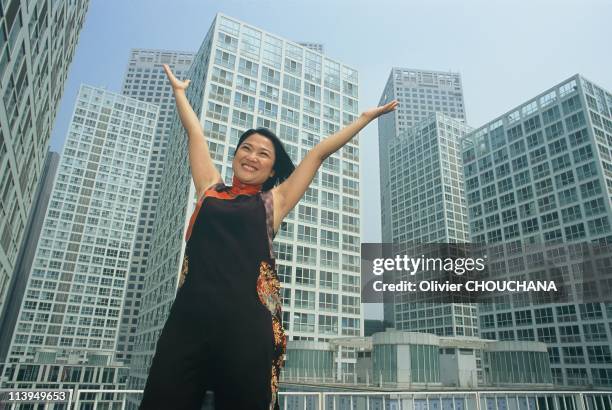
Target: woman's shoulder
[{"x": 216, "y": 187}]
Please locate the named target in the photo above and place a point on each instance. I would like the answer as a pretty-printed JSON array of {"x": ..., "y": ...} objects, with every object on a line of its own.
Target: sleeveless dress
[{"x": 224, "y": 331}]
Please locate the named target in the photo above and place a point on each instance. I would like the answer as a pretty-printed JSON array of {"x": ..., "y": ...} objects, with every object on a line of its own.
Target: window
[
  {"x": 550, "y": 115},
  {"x": 525, "y": 334},
  {"x": 225, "y": 59},
  {"x": 594, "y": 207},
  {"x": 248, "y": 67},
  {"x": 312, "y": 91},
  {"x": 303, "y": 322},
  {"x": 502, "y": 170},
  {"x": 599, "y": 226},
  {"x": 538, "y": 155},
  {"x": 573, "y": 354},
  {"x": 504, "y": 319},
  {"x": 571, "y": 214},
  {"x": 284, "y": 251},
  {"x": 571, "y": 104},
  {"x": 524, "y": 193},
  {"x": 330, "y": 200},
  {"x": 328, "y": 280},
  {"x": 582, "y": 154},
  {"x": 519, "y": 163},
  {"x": 523, "y": 317},
  {"x": 553, "y": 131},
  {"x": 307, "y": 234},
  {"x": 575, "y": 232},
  {"x": 329, "y": 218},
  {"x": 509, "y": 216},
  {"x": 267, "y": 91},
  {"x": 307, "y": 214},
  {"x": 599, "y": 354},
  {"x": 594, "y": 332},
  {"x": 590, "y": 189},
  {"x": 330, "y": 259},
  {"x": 544, "y": 315},
  {"x": 522, "y": 178},
  {"x": 270, "y": 75},
  {"x": 306, "y": 255},
  {"x": 557, "y": 146},
  {"x": 541, "y": 170},
  {"x": 304, "y": 299},
  {"x": 267, "y": 108},
  {"x": 330, "y": 239},
  {"x": 328, "y": 324},
  {"x": 586, "y": 171},
  {"x": 578, "y": 138},
  {"x": 547, "y": 335}
]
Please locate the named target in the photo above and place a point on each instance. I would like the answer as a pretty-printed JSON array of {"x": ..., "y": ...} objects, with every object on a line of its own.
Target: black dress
[{"x": 224, "y": 330}]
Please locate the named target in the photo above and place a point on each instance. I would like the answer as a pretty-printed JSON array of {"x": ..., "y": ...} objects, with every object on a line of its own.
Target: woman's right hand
[{"x": 175, "y": 82}]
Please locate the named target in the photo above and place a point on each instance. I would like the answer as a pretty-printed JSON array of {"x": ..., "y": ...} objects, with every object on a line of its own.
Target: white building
[
  {"x": 76, "y": 288},
  {"x": 146, "y": 80},
  {"x": 420, "y": 93},
  {"x": 243, "y": 77},
  {"x": 38, "y": 42},
  {"x": 539, "y": 177},
  {"x": 428, "y": 207}
]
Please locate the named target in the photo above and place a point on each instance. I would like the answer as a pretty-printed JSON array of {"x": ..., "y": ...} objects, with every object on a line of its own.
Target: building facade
[
  {"x": 36, "y": 47},
  {"x": 77, "y": 284},
  {"x": 428, "y": 207},
  {"x": 537, "y": 177},
  {"x": 27, "y": 252},
  {"x": 146, "y": 80},
  {"x": 420, "y": 93}
]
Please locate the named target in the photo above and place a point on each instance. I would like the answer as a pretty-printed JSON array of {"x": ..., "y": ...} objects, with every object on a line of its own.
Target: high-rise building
[
  {"x": 76, "y": 287},
  {"x": 146, "y": 80},
  {"x": 420, "y": 93},
  {"x": 244, "y": 77},
  {"x": 38, "y": 43},
  {"x": 27, "y": 252},
  {"x": 541, "y": 175},
  {"x": 428, "y": 207}
]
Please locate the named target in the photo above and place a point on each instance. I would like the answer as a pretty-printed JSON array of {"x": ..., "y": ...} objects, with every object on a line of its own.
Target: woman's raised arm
[
  {"x": 203, "y": 169},
  {"x": 289, "y": 192}
]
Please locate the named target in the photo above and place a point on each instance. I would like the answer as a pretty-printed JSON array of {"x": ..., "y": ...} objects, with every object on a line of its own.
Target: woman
[{"x": 224, "y": 329}]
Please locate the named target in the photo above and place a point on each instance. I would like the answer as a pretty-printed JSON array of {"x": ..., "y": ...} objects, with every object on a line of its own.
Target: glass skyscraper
[
  {"x": 541, "y": 175},
  {"x": 244, "y": 77},
  {"x": 146, "y": 80},
  {"x": 428, "y": 207},
  {"x": 77, "y": 284},
  {"x": 37, "y": 43},
  {"x": 420, "y": 93}
]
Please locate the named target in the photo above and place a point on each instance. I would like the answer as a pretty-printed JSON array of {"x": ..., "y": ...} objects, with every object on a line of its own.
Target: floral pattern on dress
[
  {"x": 268, "y": 290},
  {"x": 184, "y": 270}
]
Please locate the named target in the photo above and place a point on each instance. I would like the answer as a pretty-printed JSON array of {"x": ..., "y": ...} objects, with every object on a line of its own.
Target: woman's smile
[{"x": 249, "y": 168}]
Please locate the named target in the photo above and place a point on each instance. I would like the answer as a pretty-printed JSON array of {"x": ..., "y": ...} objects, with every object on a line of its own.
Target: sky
[{"x": 506, "y": 51}]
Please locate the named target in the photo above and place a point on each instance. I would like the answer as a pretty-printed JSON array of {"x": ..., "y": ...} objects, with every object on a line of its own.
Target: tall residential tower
[
  {"x": 244, "y": 77},
  {"x": 37, "y": 43},
  {"x": 541, "y": 175},
  {"x": 77, "y": 283},
  {"x": 420, "y": 93},
  {"x": 145, "y": 80}
]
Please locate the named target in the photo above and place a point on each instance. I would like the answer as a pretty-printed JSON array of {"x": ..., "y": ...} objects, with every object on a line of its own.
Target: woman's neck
[{"x": 240, "y": 188}]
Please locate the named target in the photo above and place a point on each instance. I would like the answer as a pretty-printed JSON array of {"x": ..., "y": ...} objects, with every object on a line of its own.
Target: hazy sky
[{"x": 506, "y": 51}]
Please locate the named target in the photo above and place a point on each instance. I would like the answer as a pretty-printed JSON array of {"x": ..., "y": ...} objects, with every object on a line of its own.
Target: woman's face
[{"x": 254, "y": 160}]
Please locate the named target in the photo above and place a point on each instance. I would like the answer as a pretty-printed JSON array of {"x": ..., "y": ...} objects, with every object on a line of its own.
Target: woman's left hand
[{"x": 374, "y": 113}]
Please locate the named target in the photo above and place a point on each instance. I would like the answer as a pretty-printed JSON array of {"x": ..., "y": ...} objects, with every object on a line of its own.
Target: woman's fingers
[{"x": 169, "y": 73}]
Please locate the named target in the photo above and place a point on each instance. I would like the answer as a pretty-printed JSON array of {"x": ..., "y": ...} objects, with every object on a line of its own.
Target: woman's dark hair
[{"x": 283, "y": 166}]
